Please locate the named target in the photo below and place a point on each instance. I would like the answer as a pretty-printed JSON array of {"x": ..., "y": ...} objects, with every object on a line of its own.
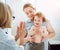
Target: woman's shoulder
[
  {"x": 1, "y": 31},
  {"x": 2, "y": 35}
]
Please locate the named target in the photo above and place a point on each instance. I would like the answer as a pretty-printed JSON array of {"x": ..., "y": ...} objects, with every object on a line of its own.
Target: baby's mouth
[{"x": 37, "y": 24}]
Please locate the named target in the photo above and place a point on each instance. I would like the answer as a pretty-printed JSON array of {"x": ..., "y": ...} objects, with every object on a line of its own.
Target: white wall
[
  {"x": 2, "y": 1},
  {"x": 50, "y": 8}
]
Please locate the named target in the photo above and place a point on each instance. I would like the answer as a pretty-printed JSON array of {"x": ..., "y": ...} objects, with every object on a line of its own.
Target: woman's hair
[
  {"x": 5, "y": 16},
  {"x": 27, "y": 5},
  {"x": 40, "y": 15}
]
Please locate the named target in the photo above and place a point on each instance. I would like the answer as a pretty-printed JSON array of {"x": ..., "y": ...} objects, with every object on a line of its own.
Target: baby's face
[{"x": 37, "y": 21}]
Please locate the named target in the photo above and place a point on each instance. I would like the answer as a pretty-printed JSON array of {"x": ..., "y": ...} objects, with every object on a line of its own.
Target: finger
[
  {"x": 22, "y": 28},
  {"x": 24, "y": 25},
  {"x": 21, "y": 24},
  {"x": 18, "y": 30}
]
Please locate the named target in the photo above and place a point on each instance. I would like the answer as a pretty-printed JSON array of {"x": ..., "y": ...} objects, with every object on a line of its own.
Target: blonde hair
[
  {"x": 28, "y": 5},
  {"x": 5, "y": 16}
]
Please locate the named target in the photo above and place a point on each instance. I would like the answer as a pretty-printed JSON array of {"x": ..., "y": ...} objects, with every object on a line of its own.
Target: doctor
[{"x": 7, "y": 42}]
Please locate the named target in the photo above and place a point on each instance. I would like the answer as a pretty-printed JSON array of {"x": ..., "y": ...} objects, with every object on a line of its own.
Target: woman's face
[
  {"x": 37, "y": 21},
  {"x": 30, "y": 12}
]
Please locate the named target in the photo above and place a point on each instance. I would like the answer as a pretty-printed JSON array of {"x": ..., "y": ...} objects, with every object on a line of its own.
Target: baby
[{"x": 38, "y": 31}]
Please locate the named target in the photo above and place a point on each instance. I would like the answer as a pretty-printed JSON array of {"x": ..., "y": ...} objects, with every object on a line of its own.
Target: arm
[
  {"x": 23, "y": 39},
  {"x": 51, "y": 32},
  {"x": 22, "y": 33}
]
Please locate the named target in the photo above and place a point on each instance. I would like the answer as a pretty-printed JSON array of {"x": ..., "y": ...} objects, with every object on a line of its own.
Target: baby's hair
[{"x": 40, "y": 15}]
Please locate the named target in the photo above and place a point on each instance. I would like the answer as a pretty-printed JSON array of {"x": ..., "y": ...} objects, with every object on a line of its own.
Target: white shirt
[{"x": 7, "y": 42}]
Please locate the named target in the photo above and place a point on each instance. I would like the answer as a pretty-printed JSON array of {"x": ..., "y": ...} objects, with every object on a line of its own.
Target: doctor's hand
[{"x": 21, "y": 31}]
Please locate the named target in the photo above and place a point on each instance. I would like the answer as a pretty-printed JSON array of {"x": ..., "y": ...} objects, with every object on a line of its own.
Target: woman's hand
[
  {"x": 22, "y": 29},
  {"x": 22, "y": 32}
]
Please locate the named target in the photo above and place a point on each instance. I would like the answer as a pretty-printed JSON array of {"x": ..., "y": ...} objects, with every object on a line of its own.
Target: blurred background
[{"x": 50, "y": 8}]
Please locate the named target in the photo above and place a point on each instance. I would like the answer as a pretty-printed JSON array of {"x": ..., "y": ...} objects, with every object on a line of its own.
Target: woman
[
  {"x": 30, "y": 12},
  {"x": 6, "y": 41}
]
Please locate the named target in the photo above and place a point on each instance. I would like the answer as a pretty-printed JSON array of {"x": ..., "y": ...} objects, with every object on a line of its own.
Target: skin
[
  {"x": 37, "y": 21},
  {"x": 35, "y": 30},
  {"x": 51, "y": 32},
  {"x": 29, "y": 11}
]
